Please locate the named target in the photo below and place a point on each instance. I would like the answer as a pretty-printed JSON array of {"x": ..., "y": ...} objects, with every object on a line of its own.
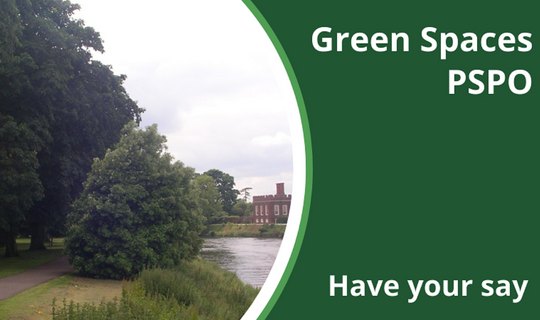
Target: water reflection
[{"x": 250, "y": 258}]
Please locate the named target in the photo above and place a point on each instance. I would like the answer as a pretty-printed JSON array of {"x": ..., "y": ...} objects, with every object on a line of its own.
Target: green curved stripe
[{"x": 308, "y": 153}]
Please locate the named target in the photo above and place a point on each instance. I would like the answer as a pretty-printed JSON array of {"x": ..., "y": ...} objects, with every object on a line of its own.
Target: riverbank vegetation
[
  {"x": 198, "y": 289},
  {"x": 245, "y": 230},
  {"x": 195, "y": 290}
]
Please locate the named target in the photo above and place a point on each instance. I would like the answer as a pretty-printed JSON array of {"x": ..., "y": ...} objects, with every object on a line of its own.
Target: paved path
[{"x": 10, "y": 286}]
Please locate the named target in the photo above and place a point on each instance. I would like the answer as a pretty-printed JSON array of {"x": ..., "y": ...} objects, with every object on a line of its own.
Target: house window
[
  {"x": 284, "y": 209},
  {"x": 276, "y": 209},
  {"x": 257, "y": 220},
  {"x": 266, "y": 209},
  {"x": 266, "y": 220},
  {"x": 256, "y": 210}
]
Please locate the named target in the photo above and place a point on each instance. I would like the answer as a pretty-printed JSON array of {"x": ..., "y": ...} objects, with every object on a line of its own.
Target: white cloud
[
  {"x": 277, "y": 140},
  {"x": 208, "y": 75}
]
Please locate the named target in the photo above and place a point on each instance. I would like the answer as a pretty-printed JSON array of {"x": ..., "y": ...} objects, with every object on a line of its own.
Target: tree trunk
[
  {"x": 38, "y": 237},
  {"x": 11, "y": 244}
]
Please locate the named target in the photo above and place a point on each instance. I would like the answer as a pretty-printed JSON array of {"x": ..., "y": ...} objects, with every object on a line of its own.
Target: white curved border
[
  {"x": 298, "y": 191},
  {"x": 94, "y": 14}
]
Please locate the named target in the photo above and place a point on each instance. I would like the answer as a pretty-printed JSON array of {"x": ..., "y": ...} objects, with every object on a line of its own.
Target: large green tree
[
  {"x": 137, "y": 210},
  {"x": 207, "y": 196},
  {"x": 20, "y": 186},
  {"x": 76, "y": 107},
  {"x": 225, "y": 185}
]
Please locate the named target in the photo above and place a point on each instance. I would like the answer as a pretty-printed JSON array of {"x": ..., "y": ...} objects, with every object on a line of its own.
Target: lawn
[
  {"x": 35, "y": 303},
  {"x": 28, "y": 259}
]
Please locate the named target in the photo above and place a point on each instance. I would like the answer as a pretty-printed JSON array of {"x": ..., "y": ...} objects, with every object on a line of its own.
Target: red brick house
[{"x": 267, "y": 209}]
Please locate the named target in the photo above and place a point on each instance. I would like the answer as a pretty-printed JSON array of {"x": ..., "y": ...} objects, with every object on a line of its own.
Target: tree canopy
[
  {"x": 136, "y": 210},
  {"x": 243, "y": 208},
  {"x": 225, "y": 185},
  {"x": 207, "y": 196},
  {"x": 20, "y": 186},
  {"x": 73, "y": 106}
]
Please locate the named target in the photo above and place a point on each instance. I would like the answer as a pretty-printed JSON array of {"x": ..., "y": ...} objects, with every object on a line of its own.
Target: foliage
[
  {"x": 243, "y": 209},
  {"x": 75, "y": 107},
  {"x": 282, "y": 219},
  {"x": 20, "y": 186},
  {"x": 218, "y": 294},
  {"x": 245, "y": 230},
  {"x": 10, "y": 27},
  {"x": 136, "y": 210},
  {"x": 225, "y": 185},
  {"x": 207, "y": 196},
  {"x": 196, "y": 290},
  {"x": 272, "y": 230},
  {"x": 133, "y": 305},
  {"x": 245, "y": 193}
]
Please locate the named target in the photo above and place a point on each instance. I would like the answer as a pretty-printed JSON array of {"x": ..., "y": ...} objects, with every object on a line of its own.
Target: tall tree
[
  {"x": 136, "y": 210},
  {"x": 207, "y": 196},
  {"x": 76, "y": 107},
  {"x": 245, "y": 193},
  {"x": 19, "y": 182},
  {"x": 225, "y": 185}
]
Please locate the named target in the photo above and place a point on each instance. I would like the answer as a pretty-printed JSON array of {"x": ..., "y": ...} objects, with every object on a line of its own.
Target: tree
[
  {"x": 19, "y": 182},
  {"x": 245, "y": 193},
  {"x": 10, "y": 28},
  {"x": 207, "y": 196},
  {"x": 242, "y": 208},
  {"x": 136, "y": 210},
  {"x": 75, "y": 107},
  {"x": 225, "y": 185}
]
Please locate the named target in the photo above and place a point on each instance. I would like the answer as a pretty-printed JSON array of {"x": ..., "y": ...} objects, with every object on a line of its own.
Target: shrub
[
  {"x": 265, "y": 228},
  {"x": 135, "y": 211},
  {"x": 282, "y": 219}
]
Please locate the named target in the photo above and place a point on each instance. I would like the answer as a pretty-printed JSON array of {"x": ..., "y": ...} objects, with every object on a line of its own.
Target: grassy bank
[
  {"x": 245, "y": 230},
  {"x": 196, "y": 290},
  {"x": 28, "y": 259}
]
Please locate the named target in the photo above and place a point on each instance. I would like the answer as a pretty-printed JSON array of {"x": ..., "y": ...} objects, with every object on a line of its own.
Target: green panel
[{"x": 411, "y": 182}]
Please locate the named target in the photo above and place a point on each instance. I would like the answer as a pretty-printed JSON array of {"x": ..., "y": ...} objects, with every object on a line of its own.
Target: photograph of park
[{"x": 145, "y": 159}]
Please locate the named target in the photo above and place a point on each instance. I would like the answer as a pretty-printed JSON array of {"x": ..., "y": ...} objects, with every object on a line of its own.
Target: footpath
[{"x": 10, "y": 286}]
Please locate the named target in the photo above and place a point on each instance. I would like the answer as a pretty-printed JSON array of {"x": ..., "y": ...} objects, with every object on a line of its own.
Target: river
[{"x": 250, "y": 258}]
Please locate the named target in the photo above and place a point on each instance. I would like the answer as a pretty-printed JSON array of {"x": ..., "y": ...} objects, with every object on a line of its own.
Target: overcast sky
[{"x": 207, "y": 74}]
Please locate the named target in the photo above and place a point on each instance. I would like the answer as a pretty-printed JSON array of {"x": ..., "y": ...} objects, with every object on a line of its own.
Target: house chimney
[{"x": 280, "y": 188}]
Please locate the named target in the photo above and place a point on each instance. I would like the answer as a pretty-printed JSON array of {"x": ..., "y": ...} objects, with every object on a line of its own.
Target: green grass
[
  {"x": 245, "y": 230},
  {"x": 216, "y": 293},
  {"x": 16, "y": 306},
  {"x": 28, "y": 259},
  {"x": 196, "y": 290},
  {"x": 35, "y": 303}
]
